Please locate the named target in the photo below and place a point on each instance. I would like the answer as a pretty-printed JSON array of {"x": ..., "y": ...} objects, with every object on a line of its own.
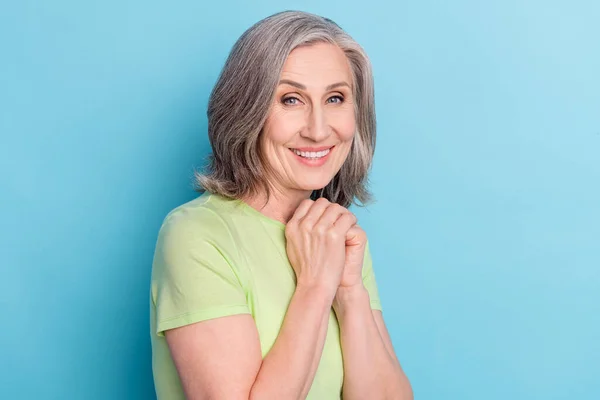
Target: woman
[{"x": 262, "y": 287}]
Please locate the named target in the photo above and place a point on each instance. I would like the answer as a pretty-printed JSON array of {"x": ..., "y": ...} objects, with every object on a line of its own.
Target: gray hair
[{"x": 241, "y": 99}]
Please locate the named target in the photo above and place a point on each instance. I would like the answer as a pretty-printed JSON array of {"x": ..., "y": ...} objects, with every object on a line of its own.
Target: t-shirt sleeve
[
  {"x": 369, "y": 280},
  {"x": 193, "y": 276}
]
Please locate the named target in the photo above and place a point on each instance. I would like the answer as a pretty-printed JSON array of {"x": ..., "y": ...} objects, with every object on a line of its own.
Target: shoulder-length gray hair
[{"x": 241, "y": 99}]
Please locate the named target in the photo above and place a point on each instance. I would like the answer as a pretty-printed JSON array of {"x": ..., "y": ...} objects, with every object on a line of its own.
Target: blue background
[{"x": 485, "y": 236}]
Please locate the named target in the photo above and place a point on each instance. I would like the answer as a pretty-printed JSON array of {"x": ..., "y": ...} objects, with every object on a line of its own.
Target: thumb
[{"x": 355, "y": 236}]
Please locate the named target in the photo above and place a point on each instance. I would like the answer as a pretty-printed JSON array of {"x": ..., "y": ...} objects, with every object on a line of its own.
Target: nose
[{"x": 317, "y": 129}]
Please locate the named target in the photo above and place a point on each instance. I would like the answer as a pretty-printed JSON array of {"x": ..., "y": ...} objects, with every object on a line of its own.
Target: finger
[
  {"x": 302, "y": 209},
  {"x": 345, "y": 222},
  {"x": 316, "y": 210},
  {"x": 331, "y": 214},
  {"x": 355, "y": 236}
]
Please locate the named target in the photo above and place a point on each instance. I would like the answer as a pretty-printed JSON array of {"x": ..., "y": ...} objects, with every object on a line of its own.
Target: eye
[
  {"x": 290, "y": 101},
  {"x": 335, "y": 99}
]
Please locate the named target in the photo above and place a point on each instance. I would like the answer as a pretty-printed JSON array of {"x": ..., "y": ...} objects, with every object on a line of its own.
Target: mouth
[{"x": 312, "y": 157}]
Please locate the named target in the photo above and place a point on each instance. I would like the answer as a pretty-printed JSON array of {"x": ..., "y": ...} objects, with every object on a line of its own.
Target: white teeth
[{"x": 312, "y": 154}]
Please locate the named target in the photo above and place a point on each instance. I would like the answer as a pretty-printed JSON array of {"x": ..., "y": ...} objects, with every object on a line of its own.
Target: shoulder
[{"x": 201, "y": 219}]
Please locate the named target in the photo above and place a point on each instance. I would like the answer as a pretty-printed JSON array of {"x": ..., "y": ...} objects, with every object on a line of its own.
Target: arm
[
  {"x": 232, "y": 368},
  {"x": 371, "y": 369},
  {"x": 220, "y": 358}
]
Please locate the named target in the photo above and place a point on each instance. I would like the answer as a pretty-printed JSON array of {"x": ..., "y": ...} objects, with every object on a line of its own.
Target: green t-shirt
[{"x": 217, "y": 257}]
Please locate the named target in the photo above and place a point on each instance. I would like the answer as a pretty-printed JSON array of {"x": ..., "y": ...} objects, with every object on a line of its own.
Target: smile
[
  {"x": 312, "y": 157},
  {"x": 312, "y": 154}
]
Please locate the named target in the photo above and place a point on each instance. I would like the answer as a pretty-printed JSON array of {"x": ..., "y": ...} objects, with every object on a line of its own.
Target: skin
[
  {"x": 313, "y": 108},
  {"x": 306, "y": 114}
]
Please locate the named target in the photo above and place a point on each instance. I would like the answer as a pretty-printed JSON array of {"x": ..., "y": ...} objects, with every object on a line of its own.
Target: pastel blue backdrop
[{"x": 486, "y": 233}]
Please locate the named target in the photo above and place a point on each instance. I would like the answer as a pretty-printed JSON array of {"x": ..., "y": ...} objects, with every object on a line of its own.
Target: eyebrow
[{"x": 303, "y": 87}]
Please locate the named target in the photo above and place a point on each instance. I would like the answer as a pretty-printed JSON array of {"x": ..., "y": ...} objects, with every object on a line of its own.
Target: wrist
[
  {"x": 316, "y": 292},
  {"x": 348, "y": 296}
]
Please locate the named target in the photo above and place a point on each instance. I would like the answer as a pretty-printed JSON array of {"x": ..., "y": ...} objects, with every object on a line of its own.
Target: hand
[
  {"x": 356, "y": 241},
  {"x": 316, "y": 243}
]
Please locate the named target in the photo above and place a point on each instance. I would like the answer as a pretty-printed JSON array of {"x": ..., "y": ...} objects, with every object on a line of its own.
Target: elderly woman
[{"x": 262, "y": 287}]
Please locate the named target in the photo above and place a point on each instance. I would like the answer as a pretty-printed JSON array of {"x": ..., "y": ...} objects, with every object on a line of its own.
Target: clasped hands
[{"x": 326, "y": 247}]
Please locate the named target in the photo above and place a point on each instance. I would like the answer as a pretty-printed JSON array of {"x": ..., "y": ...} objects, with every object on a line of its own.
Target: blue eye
[
  {"x": 335, "y": 99},
  {"x": 290, "y": 101}
]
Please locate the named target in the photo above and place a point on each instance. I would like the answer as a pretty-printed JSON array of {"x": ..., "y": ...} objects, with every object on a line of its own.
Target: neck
[{"x": 280, "y": 205}]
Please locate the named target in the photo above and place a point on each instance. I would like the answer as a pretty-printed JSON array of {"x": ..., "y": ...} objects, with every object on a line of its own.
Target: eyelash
[
  {"x": 285, "y": 99},
  {"x": 341, "y": 99}
]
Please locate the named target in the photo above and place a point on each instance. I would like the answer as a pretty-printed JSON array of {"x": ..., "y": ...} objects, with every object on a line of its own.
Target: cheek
[
  {"x": 346, "y": 126},
  {"x": 279, "y": 128}
]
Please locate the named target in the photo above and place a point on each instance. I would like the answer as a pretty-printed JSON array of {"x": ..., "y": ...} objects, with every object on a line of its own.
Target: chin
[{"x": 313, "y": 184}]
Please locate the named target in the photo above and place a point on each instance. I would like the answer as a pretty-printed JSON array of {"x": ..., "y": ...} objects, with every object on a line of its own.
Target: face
[{"x": 311, "y": 124}]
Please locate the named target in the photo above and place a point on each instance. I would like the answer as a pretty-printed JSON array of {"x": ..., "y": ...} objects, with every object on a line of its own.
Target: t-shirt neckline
[{"x": 253, "y": 211}]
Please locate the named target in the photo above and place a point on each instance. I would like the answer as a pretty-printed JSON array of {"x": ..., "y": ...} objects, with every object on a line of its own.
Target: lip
[
  {"x": 313, "y": 163},
  {"x": 315, "y": 149}
]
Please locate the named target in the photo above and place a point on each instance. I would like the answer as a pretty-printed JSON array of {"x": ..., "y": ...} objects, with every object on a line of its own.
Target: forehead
[{"x": 317, "y": 65}]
